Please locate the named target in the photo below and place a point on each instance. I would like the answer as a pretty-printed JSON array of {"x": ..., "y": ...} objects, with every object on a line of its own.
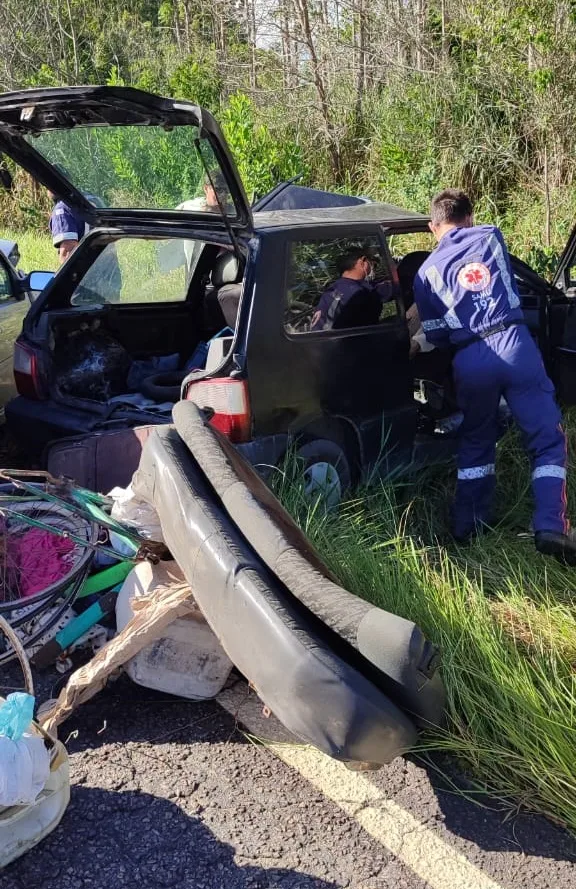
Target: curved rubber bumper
[
  {"x": 263, "y": 628},
  {"x": 390, "y": 651}
]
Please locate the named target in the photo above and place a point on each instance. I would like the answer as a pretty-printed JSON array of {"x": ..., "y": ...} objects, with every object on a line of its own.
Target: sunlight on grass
[
  {"x": 502, "y": 616},
  {"x": 36, "y": 251}
]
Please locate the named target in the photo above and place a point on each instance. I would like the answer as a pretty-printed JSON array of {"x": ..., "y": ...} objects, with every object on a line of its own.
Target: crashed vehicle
[
  {"x": 215, "y": 303},
  {"x": 14, "y": 303}
]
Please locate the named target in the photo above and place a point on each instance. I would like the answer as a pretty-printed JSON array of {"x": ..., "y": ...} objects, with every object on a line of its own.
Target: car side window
[
  {"x": 139, "y": 270},
  {"x": 6, "y": 288},
  {"x": 318, "y": 300}
]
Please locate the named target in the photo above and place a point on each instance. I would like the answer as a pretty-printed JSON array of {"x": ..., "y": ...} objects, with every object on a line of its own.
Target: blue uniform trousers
[{"x": 507, "y": 364}]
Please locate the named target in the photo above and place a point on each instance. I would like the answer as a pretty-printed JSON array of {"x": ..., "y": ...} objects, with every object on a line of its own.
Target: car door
[
  {"x": 13, "y": 308},
  {"x": 535, "y": 296},
  {"x": 301, "y": 378},
  {"x": 550, "y": 314}
]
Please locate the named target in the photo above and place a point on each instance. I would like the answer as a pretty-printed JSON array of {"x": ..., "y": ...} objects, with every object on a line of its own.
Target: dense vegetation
[{"x": 391, "y": 98}]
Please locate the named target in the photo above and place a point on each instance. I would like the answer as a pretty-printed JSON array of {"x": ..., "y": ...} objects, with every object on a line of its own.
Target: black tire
[
  {"x": 163, "y": 386},
  {"x": 325, "y": 465}
]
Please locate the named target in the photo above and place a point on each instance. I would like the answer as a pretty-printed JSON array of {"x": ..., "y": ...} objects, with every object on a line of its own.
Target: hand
[
  {"x": 414, "y": 348},
  {"x": 412, "y": 313}
]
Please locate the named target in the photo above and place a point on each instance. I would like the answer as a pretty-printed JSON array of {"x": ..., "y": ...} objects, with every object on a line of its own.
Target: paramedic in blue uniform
[
  {"x": 67, "y": 230},
  {"x": 354, "y": 299},
  {"x": 468, "y": 300}
]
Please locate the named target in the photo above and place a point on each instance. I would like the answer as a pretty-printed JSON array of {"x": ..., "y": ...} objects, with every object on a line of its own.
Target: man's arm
[
  {"x": 434, "y": 325},
  {"x": 385, "y": 291},
  {"x": 66, "y": 248}
]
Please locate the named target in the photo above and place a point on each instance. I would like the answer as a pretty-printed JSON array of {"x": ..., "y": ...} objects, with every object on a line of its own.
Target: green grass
[
  {"x": 36, "y": 251},
  {"x": 502, "y": 615}
]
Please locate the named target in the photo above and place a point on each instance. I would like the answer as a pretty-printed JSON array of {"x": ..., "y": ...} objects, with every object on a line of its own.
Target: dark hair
[
  {"x": 406, "y": 269},
  {"x": 218, "y": 181},
  {"x": 450, "y": 205},
  {"x": 350, "y": 257}
]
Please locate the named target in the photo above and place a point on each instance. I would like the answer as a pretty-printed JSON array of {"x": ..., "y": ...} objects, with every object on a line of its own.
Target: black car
[{"x": 216, "y": 298}]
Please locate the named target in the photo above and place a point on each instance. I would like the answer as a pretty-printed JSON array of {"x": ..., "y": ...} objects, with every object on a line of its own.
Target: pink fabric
[{"x": 41, "y": 559}]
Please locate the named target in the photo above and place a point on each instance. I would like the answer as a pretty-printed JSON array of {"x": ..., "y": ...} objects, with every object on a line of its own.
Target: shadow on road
[
  {"x": 126, "y": 714},
  {"x": 494, "y": 826},
  {"x": 134, "y": 840}
]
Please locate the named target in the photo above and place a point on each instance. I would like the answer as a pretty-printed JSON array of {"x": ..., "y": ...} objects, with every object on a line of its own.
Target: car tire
[
  {"x": 326, "y": 471},
  {"x": 163, "y": 387}
]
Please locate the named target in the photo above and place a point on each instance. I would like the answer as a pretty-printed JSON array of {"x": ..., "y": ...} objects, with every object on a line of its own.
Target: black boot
[{"x": 561, "y": 546}]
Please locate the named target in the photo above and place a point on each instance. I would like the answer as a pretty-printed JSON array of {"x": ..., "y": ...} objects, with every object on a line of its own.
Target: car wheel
[{"x": 326, "y": 471}]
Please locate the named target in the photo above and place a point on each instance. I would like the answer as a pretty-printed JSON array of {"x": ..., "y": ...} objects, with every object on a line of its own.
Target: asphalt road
[{"x": 168, "y": 793}]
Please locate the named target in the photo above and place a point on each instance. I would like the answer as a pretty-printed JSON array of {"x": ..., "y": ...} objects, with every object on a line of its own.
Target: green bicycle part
[{"x": 104, "y": 580}]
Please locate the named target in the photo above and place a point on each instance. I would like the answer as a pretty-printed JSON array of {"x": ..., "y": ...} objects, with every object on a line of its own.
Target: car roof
[{"x": 387, "y": 214}]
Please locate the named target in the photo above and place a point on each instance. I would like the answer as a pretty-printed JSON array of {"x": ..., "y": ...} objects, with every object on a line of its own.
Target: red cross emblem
[{"x": 474, "y": 276}]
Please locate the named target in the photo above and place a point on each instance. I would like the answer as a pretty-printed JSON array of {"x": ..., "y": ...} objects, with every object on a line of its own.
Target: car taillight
[
  {"x": 26, "y": 372},
  {"x": 229, "y": 401}
]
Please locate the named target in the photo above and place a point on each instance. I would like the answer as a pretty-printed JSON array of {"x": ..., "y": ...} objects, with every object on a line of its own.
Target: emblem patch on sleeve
[{"x": 474, "y": 276}]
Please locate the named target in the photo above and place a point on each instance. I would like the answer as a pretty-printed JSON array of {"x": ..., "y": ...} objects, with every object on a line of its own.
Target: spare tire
[{"x": 162, "y": 387}]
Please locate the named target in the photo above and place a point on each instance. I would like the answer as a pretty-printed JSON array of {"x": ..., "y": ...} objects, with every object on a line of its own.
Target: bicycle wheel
[
  {"x": 16, "y": 678},
  {"x": 44, "y": 548}
]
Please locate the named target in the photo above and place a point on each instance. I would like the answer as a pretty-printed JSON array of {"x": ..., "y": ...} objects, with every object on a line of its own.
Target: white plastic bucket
[
  {"x": 22, "y": 827},
  {"x": 187, "y": 660}
]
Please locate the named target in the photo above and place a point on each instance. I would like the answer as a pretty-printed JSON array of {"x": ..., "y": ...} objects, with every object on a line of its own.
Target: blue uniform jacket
[
  {"x": 466, "y": 286},
  {"x": 351, "y": 303},
  {"x": 65, "y": 225}
]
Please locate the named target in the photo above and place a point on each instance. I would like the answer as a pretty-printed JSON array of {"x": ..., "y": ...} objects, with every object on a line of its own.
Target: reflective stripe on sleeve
[
  {"x": 549, "y": 471},
  {"x": 444, "y": 293},
  {"x": 498, "y": 254},
  {"x": 64, "y": 236},
  {"x": 473, "y": 472},
  {"x": 434, "y": 324},
  {"x": 439, "y": 287}
]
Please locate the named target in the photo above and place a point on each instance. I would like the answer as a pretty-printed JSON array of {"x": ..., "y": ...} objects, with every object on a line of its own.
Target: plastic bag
[
  {"x": 16, "y": 714},
  {"x": 93, "y": 365},
  {"x": 24, "y": 770},
  {"x": 136, "y": 512}
]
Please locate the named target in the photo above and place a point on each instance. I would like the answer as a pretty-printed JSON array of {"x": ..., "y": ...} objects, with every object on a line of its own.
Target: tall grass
[
  {"x": 502, "y": 615},
  {"x": 36, "y": 250}
]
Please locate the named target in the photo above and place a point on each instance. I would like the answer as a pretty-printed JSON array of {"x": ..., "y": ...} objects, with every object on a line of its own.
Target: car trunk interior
[{"x": 138, "y": 353}]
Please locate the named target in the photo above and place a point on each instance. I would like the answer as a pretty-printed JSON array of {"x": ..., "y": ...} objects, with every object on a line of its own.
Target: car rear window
[
  {"x": 138, "y": 270},
  {"x": 138, "y": 167}
]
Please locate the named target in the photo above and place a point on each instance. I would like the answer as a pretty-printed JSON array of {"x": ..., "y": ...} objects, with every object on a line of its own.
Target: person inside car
[{"x": 354, "y": 299}]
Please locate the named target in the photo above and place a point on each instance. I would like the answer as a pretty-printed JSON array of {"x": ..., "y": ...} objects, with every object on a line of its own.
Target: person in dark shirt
[
  {"x": 353, "y": 300},
  {"x": 66, "y": 228}
]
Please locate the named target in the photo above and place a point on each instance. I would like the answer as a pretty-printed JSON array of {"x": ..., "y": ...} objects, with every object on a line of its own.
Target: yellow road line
[{"x": 426, "y": 854}]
